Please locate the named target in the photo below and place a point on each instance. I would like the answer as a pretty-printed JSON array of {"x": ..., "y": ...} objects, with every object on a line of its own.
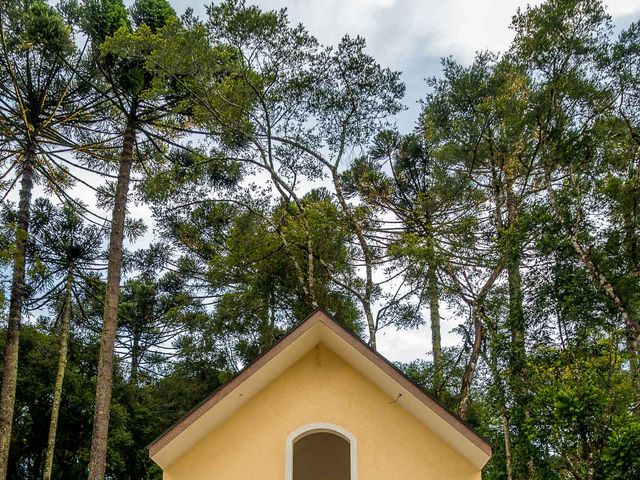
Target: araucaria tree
[
  {"x": 68, "y": 252},
  {"x": 120, "y": 43},
  {"x": 274, "y": 180},
  {"x": 39, "y": 103}
]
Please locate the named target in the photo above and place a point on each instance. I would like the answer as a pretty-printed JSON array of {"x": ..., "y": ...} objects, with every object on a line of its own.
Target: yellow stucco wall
[{"x": 321, "y": 388}]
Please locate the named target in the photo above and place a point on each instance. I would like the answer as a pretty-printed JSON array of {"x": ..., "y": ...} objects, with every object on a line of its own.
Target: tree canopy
[{"x": 178, "y": 192}]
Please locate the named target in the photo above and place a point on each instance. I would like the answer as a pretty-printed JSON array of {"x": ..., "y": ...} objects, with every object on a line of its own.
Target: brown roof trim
[
  {"x": 394, "y": 372},
  {"x": 190, "y": 417},
  {"x": 450, "y": 417}
]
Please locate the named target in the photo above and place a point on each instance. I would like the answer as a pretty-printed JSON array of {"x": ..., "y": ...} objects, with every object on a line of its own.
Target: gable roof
[{"x": 317, "y": 328}]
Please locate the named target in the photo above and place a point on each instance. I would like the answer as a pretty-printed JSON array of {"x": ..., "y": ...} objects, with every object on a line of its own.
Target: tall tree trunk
[
  {"x": 516, "y": 324},
  {"x": 63, "y": 342},
  {"x": 506, "y": 434},
  {"x": 436, "y": 341},
  {"x": 477, "y": 312},
  {"x": 517, "y": 327},
  {"x": 10, "y": 371},
  {"x": 630, "y": 226},
  {"x": 135, "y": 361},
  {"x": 634, "y": 365},
  {"x": 469, "y": 372},
  {"x": 368, "y": 315},
  {"x": 368, "y": 259},
  {"x": 102, "y": 407},
  {"x": 306, "y": 283},
  {"x": 492, "y": 362},
  {"x": 311, "y": 275}
]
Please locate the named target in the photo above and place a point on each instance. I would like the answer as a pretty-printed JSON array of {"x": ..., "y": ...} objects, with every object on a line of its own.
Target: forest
[{"x": 177, "y": 192}]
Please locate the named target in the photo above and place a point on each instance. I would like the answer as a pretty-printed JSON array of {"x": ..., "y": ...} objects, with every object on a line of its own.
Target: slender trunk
[
  {"x": 517, "y": 327},
  {"x": 631, "y": 219},
  {"x": 634, "y": 365},
  {"x": 304, "y": 281},
  {"x": 135, "y": 348},
  {"x": 436, "y": 343},
  {"x": 271, "y": 318},
  {"x": 266, "y": 330},
  {"x": 477, "y": 312},
  {"x": 311, "y": 279},
  {"x": 98, "y": 458},
  {"x": 470, "y": 370},
  {"x": 630, "y": 222},
  {"x": 516, "y": 321},
  {"x": 368, "y": 314},
  {"x": 517, "y": 360},
  {"x": 506, "y": 433},
  {"x": 10, "y": 371},
  {"x": 367, "y": 257},
  {"x": 62, "y": 366},
  {"x": 492, "y": 362},
  {"x": 630, "y": 321}
]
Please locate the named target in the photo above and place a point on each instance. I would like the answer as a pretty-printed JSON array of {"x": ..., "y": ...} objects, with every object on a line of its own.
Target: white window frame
[{"x": 312, "y": 428}]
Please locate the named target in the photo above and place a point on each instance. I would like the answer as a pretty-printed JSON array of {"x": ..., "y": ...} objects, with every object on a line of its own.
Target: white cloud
[
  {"x": 621, "y": 8},
  {"x": 408, "y": 345},
  {"x": 397, "y": 30}
]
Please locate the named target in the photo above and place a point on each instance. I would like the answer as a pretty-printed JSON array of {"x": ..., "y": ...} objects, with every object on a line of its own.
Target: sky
[{"x": 412, "y": 36}]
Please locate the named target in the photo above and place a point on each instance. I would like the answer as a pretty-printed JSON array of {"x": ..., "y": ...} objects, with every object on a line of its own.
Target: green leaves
[
  {"x": 552, "y": 34},
  {"x": 620, "y": 460},
  {"x": 125, "y": 53},
  {"x": 187, "y": 170},
  {"x": 45, "y": 28},
  {"x": 155, "y": 14},
  {"x": 580, "y": 407},
  {"x": 276, "y": 178},
  {"x": 103, "y": 18},
  {"x": 352, "y": 88}
]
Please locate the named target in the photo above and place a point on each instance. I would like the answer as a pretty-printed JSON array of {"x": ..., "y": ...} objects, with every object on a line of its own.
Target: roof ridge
[{"x": 320, "y": 315}]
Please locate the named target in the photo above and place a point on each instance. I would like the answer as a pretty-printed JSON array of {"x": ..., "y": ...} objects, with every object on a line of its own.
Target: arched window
[{"x": 321, "y": 451}]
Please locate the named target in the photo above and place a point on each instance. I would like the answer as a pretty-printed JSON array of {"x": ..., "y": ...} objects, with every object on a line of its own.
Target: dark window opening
[{"x": 322, "y": 456}]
